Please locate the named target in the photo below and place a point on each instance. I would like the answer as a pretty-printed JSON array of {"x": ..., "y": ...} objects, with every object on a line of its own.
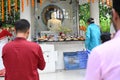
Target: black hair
[
  {"x": 116, "y": 6},
  {"x": 90, "y": 20},
  {"x": 0, "y": 24},
  {"x": 105, "y": 37},
  {"x": 22, "y": 25}
]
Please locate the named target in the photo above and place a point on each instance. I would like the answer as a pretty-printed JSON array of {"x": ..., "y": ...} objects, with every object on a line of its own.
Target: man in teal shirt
[{"x": 92, "y": 35}]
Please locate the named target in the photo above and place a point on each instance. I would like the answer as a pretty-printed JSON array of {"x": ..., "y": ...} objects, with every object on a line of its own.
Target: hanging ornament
[
  {"x": 2, "y": 10},
  {"x": 16, "y": 5},
  {"x": 22, "y": 5},
  {"x": 33, "y": 3},
  {"x": 9, "y": 6},
  {"x": 27, "y": 2}
]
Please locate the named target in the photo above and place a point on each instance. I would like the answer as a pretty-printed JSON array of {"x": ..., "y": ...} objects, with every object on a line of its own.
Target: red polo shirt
[{"x": 21, "y": 59}]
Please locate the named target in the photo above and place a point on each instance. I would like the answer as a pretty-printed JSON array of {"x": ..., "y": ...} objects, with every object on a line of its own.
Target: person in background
[
  {"x": 104, "y": 61},
  {"x": 3, "y": 40},
  {"x": 12, "y": 31},
  {"x": 105, "y": 37},
  {"x": 22, "y": 58},
  {"x": 92, "y": 35}
]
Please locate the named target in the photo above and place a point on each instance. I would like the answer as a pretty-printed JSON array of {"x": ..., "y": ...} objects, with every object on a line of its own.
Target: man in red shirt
[
  {"x": 21, "y": 58},
  {"x": 3, "y": 40}
]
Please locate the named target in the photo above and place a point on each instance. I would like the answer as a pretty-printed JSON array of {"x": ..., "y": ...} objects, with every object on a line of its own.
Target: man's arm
[
  {"x": 41, "y": 61},
  {"x": 93, "y": 67},
  {"x": 87, "y": 40}
]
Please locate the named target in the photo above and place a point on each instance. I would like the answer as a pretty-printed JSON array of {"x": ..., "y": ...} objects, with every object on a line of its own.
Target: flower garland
[
  {"x": 33, "y": 3},
  {"x": 9, "y": 6},
  {"x": 40, "y": 2},
  {"x": 2, "y": 10},
  {"x": 88, "y": 1},
  {"x": 22, "y": 5},
  {"x": 27, "y": 2},
  {"x": 102, "y": 1},
  {"x": 108, "y": 2},
  {"x": 92, "y": 1},
  {"x": 16, "y": 9}
]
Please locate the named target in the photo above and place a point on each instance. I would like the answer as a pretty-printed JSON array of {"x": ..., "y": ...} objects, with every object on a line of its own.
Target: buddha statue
[{"x": 53, "y": 23}]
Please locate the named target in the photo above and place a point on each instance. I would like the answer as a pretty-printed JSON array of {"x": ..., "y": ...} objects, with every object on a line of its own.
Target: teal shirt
[{"x": 92, "y": 36}]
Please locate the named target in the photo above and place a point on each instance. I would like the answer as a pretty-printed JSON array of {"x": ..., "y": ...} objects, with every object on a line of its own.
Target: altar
[{"x": 55, "y": 49}]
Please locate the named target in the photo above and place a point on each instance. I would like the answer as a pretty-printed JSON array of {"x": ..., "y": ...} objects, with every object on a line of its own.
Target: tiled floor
[{"x": 63, "y": 75}]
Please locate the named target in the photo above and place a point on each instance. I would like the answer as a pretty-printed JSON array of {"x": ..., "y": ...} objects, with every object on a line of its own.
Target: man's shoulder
[
  {"x": 28, "y": 43},
  {"x": 106, "y": 47},
  {"x": 32, "y": 43},
  {"x": 8, "y": 45}
]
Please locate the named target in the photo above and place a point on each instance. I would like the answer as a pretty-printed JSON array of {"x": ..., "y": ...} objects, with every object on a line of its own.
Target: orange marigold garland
[
  {"x": 88, "y": 1},
  {"x": 83, "y": 28},
  {"x": 92, "y": 1},
  {"x": 2, "y": 10},
  {"x": 22, "y": 5},
  {"x": 16, "y": 5},
  {"x": 9, "y": 6},
  {"x": 102, "y": 1},
  {"x": 27, "y": 2},
  {"x": 108, "y": 2},
  {"x": 33, "y": 3},
  {"x": 40, "y": 2}
]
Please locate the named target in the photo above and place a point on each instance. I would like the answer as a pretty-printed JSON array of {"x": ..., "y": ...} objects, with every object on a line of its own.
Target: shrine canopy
[{"x": 32, "y": 3}]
